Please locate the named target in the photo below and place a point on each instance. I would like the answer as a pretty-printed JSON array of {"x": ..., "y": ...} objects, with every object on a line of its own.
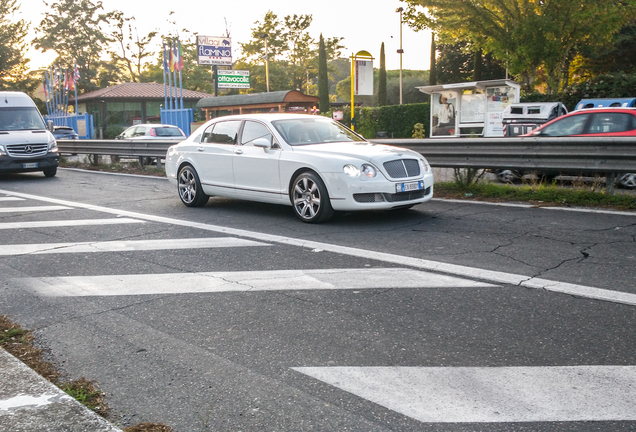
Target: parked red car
[{"x": 605, "y": 122}]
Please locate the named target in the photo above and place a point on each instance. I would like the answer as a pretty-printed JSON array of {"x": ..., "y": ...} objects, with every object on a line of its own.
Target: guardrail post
[{"x": 610, "y": 179}]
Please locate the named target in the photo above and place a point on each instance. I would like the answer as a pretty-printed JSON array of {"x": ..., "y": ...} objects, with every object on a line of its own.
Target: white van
[{"x": 25, "y": 142}]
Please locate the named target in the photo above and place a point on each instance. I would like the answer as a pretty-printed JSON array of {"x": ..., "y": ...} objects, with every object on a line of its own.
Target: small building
[
  {"x": 470, "y": 108},
  {"x": 278, "y": 101},
  {"x": 126, "y": 104}
]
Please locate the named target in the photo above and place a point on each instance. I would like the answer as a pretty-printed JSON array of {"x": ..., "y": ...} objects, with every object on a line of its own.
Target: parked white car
[
  {"x": 312, "y": 163},
  {"x": 152, "y": 132}
]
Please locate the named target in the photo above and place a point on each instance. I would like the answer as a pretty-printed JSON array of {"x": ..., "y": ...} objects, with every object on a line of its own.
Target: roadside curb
[{"x": 29, "y": 402}]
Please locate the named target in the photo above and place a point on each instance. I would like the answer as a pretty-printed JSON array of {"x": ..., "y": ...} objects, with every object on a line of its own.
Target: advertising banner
[
  {"x": 233, "y": 79},
  {"x": 444, "y": 114},
  {"x": 498, "y": 98},
  {"x": 364, "y": 78},
  {"x": 212, "y": 50}
]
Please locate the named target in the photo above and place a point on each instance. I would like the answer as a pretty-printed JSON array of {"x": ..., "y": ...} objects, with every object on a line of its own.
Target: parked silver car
[{"x": 153, "y": 131}]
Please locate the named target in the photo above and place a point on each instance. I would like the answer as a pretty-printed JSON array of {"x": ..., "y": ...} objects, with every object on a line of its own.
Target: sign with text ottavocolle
[
  {"x": 212, "y": 50},
  {"x": 233, "y": 79}
]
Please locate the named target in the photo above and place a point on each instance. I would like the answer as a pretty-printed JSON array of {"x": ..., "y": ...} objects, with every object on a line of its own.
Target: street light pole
[
  {"x": 265, "y": 36},
  {"x": 400, "y": 51}
]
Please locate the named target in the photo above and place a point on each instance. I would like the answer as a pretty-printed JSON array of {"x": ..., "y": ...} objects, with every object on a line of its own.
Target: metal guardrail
[
  {"x": 124, "y": 148},
  {"x": 567, "y": 154},
  {"x": 580, "y": 154}
]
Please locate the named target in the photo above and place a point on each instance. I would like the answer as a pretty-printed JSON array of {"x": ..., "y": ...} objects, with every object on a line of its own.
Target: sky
[{"x": 364, "y": 25}]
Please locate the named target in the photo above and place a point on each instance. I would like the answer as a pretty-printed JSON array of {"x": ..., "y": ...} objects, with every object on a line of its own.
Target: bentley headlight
[
  {"x": 351, "y": 170},
  {"x": 424, "y": 165},
  {"x": 368, "y": 170}
]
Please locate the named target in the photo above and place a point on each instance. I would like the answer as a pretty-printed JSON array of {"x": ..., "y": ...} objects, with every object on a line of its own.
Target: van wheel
[{"x": 50, "y": 172}]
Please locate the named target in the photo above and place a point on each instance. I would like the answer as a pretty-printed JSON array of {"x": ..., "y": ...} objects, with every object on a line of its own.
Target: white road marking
[
  {"x": 28, "y": 401},
  {"x": 458, "y": 270},
  {"x": 32, "y": 209},
  {"x": 570, "y": 209},
  {"x": 126, "y": 245},
  {"x": 209, "y": 282},
  {"x": 64, "y": 223},
  {"x": 11, "y": 199},
  {"x": 492, "y": 394}
]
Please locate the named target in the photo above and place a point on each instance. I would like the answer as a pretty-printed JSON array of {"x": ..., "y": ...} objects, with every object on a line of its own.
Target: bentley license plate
[
  {"x": 406, "y": 187},
  {"x": 30, "y": 165}
]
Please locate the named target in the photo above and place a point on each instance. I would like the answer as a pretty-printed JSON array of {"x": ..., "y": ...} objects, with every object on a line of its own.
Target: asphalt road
[{"x": 452, "y": 316}]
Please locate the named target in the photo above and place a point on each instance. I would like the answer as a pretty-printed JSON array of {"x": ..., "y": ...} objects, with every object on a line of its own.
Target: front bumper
[
  {"x": 9, "y": 164},
  {"x": 350, "y": 194}
]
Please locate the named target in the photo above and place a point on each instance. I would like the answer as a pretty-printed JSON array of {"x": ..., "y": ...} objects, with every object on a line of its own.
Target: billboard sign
[
  {"x": 363, "y": 77},
  {"x": 233, "y": 79},
  {"x": 212, "y": 50}
]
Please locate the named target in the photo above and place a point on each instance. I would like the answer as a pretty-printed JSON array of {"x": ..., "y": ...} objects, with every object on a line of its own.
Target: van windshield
[{"x": 20, "y": 118}]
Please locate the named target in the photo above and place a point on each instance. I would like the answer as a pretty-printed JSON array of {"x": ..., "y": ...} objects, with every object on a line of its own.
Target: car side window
[
  {"x": 573, "y": 125},
  {"x": 611, "y": 122},
  {"x": 253, "y": 130},
  {"x": 224, "y": 132},
  {"x": 130, "y": 132}
]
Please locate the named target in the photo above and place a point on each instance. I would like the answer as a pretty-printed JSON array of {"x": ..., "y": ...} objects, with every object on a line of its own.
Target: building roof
[
  {"x": 482, "y": 85},
  {"x": 139, "y": 91},
  {"x": 258, "y": 99}
]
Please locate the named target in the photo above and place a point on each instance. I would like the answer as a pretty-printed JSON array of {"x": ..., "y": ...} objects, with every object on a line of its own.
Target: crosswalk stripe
[
  {"x": 208, "y": 282},
  {"x": 492, "y": 394},
  {"x": 64, "y": 223},
  {"x": 126, "y": 245},
  {"x": 32, "y": 209},
  {"x": 423, "y": 264}
]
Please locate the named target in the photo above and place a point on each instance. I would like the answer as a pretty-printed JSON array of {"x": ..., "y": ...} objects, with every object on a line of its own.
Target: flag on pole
[
  {"x": 76, "y": 73},
  {"x": 171, "y": 49},
  {"x": 180, "y": 69}
]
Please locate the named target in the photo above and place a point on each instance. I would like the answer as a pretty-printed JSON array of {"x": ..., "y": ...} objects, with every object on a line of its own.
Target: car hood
[
  {"x": 24, "y": 137},
  {"x": 361, "y": 150}
]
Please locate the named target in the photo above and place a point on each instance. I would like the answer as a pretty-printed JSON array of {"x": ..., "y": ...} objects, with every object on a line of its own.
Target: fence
[
  {"x": 569, "y": 154},
  {"x": 82, "y": 124},
  {"x": 182, "y": 118}
]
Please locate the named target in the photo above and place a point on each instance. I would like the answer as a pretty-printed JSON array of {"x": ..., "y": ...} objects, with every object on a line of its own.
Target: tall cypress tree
[
  {"x": 432, "y": 80},
  {"x": 323, "y": 77},
  {"x": 382, "y": 78}
]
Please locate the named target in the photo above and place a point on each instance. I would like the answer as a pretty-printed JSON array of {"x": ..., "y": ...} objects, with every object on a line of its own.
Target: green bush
[
  {"x": 396, "y": 120},
  {"x": 614, "y": 85},
  {"x": 112, "y": 131}
]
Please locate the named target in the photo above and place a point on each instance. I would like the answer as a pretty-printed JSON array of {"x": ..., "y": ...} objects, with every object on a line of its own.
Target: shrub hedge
[{"x": 397, "y": 121}]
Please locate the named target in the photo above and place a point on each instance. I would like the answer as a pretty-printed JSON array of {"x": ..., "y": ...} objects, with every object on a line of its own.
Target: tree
[
  {"x": 13, "y": 63},
  {"x": 323, "y": 77},
  {"x": 382, "y": 78},
  {"x": 193, "y": 76},
  {"x": 433, "y": 75},
  {"x": 528, "y": 35},
  {"x": 460, "y": 63},
  {"x": 292, "y": 54},
  {"x": 132, "y": 50},
  {"x": 73, "y": 29}
]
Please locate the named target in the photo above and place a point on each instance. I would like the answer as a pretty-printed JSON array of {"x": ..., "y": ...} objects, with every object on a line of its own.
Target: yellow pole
[{"x": 353, "y": 59}]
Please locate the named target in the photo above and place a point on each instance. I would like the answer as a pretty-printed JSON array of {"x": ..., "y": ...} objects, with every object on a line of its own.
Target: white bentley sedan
[{"x": 312, "y": 163}]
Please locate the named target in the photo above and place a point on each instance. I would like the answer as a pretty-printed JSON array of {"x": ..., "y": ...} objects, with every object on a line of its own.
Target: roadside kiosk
[{"x": 471, "y": 108}]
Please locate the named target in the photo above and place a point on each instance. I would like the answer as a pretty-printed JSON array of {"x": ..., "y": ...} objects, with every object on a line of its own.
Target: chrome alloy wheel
[
  {"x": 190, "y": 190},
  {"x": 306, "y": 198},
  {"x": 310, "y": 198},
  {"x": 627, "y": 180}
]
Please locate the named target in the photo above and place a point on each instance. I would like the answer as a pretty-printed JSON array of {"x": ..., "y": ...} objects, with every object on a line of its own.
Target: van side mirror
[{"x": 49, "y": 126}]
